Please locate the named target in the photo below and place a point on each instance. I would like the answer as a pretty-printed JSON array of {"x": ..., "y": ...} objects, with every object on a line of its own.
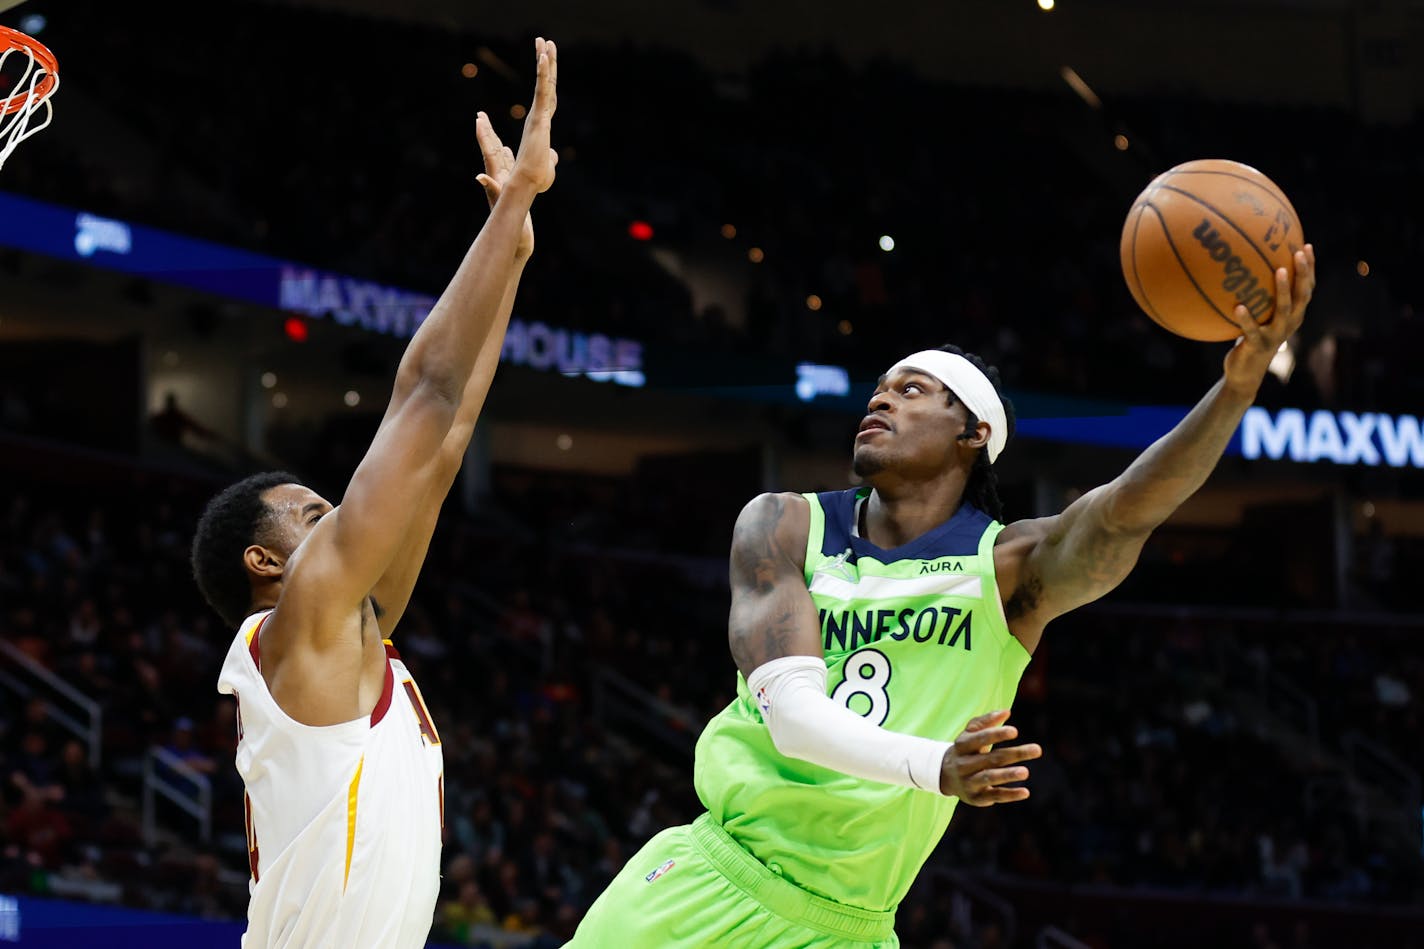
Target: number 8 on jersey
[{"x": 867, "y": 673}]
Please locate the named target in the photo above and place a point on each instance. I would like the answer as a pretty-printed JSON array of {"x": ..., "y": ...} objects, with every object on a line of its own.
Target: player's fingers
[
  {"x": 998, "y": 758},
  {"x": 1246, "y": 323},
  {"x": 997, "y": 776},
  {"x": 492, "y": 188},
  {"x": 490, "y": 147},
  {"x": 488, "y": 140},
  {"x": 987, "y": 720},
  {"x": 1304, "y": 279},
  {"x": 1001, "y": 796},
  {"x": 1283, "y": 292},
  {"x": 1013, "y": 754},
  {"x": 541, "y": 68},
  {"x": 1241, "y": 317},
  {"x": 543, "y": 85},
  {"x": 970, "y": 743}
]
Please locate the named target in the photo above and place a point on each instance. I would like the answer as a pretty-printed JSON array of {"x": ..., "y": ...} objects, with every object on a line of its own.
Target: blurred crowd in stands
[
  {"x": 1004, "y": 206},
  {"x": 570, "y": 682}
]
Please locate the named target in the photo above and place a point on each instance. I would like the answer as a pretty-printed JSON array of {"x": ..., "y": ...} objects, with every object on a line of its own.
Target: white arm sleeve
[{"x": 806, "y": 724}]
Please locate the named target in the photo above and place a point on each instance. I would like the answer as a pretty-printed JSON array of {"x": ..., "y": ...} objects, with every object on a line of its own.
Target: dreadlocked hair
[
  {"x": 982, "y": 490},
  {"x": 232, "y": 522}
]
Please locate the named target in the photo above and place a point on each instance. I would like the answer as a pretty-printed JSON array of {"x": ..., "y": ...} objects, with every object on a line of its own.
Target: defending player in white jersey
[{"x": 340, "y": 758}]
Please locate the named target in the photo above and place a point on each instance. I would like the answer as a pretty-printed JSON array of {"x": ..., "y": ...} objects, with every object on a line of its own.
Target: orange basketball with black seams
[{"x": 1205, "y": 237}]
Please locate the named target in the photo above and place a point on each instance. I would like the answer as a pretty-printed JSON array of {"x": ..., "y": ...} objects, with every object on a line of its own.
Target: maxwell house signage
[{"x": 1345, "y": 438}]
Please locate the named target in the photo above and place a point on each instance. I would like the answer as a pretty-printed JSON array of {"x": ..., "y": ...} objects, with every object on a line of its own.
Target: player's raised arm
[
  {"x": 446, "y": 369},
  {"x": 393, "y": 590},
  {"x": 774, "y": 633},
  {"x": 1081, "y": 554}
]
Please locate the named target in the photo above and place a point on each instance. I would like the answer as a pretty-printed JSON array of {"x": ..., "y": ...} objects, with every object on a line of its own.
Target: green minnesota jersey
[{"x": 916, "y": 641}]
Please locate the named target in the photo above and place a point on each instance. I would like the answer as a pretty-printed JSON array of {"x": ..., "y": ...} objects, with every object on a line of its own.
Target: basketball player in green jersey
[{"x": 868, "y": 624}]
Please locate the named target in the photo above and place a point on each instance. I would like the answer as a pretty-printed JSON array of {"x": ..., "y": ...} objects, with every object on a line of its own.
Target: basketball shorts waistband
[{"x": 782, "y": 897}]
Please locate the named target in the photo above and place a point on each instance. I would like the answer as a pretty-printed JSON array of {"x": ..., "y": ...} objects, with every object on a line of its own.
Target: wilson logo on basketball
[{"x": 1237, "y": 277}]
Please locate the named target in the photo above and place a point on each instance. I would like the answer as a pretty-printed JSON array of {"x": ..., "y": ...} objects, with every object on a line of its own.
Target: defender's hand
[
  {"x": 499, "y": 165},
  {"x": 973, "y": 772},
  {"x": 1246, "y": 364},
  {"x": 536, "y": 160}
]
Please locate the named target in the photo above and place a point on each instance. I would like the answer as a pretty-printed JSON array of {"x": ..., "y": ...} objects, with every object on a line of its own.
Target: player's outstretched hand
[
  {"x": 1248, "y": 360},
  {"x": 536, "y": 160},
  {"x": 976, "y": 773},
  {"x": 499, "y": 165}
]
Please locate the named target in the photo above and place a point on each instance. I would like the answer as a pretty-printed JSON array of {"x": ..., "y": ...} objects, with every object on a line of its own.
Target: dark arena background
[{"x": 210, "y": 263}]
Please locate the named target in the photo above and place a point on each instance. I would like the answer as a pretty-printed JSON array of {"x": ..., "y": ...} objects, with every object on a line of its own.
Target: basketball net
[{"x": 23, "y": 103}]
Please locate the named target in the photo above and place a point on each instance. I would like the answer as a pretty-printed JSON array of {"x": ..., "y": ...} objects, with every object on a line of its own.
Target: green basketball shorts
[{"x": 694, "y": 886}]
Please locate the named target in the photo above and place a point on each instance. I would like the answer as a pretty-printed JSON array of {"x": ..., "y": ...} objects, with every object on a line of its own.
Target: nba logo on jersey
[
  {"x": 764, "y": 702},
  {"x": 667, "y": 865}
]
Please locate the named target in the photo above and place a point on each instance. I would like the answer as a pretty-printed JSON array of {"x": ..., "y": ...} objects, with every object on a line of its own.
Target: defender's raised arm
[
  {"x": 393, "y": 590},
  {"x": 353, "y": 547}
]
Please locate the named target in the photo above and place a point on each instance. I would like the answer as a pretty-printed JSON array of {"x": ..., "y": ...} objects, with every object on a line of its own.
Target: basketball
[{"x": 1201, "y": 239}]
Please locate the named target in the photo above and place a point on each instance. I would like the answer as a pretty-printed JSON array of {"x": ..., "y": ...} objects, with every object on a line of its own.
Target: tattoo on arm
[
  {"x": 1087, "y": 561},
  {"x": 1025, "y": 599},
  {"x": 1107, "y": 559},
  {"x": 763, "y": 621},
  {"x": 755, "y": 551}
]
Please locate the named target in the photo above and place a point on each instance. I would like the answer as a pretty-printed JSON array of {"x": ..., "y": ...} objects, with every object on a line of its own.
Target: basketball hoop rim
[{"x": 14, "y": 39}]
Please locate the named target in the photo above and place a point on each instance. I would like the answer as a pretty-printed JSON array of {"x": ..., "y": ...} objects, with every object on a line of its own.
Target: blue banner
[
  {"x": 1128, "y": 427},
  {"x": 143, "y": 251},
  {"x": 86, "y": 238},
  {"x": 60, "y": 924}
]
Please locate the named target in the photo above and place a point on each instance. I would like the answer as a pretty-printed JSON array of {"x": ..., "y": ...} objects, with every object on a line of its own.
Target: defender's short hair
[{"x": 233, "y": 521}]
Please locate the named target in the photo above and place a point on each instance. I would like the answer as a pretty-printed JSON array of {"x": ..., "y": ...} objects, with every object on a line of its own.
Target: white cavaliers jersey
[{"x": 344, "y": 821}]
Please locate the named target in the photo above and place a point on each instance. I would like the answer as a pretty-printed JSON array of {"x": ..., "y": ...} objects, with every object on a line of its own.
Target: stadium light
[{"x": 1076, "y": 83}]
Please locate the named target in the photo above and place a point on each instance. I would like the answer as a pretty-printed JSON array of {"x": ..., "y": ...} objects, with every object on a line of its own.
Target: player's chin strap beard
[{"x": 862, "y": 508}]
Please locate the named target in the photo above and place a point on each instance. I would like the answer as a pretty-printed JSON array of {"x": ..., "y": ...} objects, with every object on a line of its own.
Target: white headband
[{"x": 971, "y": 386}]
